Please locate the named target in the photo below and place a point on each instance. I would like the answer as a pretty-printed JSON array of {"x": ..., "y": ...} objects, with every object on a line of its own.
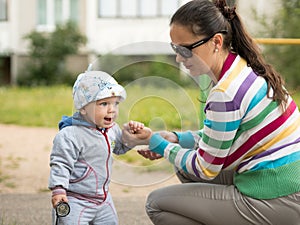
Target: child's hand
[
  {"x": 135, "y": 133},
  {"x": 135, "y": 126},
  {"x": 58, "y": 198},
  {"x": 139, "y": 130}
]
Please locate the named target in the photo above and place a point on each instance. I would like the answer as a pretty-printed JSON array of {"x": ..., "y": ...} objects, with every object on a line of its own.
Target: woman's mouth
[{"x": 188, "y": 66}]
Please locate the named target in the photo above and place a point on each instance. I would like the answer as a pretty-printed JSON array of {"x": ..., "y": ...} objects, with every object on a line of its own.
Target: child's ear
[{"x": 82, "y": 111}]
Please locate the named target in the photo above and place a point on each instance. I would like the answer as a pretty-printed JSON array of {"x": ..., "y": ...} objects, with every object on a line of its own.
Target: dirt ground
[{"x": 24, "y": 171}]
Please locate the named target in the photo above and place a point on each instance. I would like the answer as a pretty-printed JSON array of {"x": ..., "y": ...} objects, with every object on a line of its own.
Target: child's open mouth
[{"x": 108, "y": 119}]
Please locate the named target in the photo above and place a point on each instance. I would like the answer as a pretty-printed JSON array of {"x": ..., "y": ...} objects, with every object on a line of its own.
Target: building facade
[{"x": 128, "y": 27}]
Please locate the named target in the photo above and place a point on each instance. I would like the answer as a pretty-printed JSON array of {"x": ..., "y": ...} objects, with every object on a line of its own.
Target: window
[
  {"x": 168, "y": 7},
  {"x": 74, "y": 10},
  {"x": 108, "y": 8},
  {"x": 128, "y": 8},
  {"x": 148, "y": 8},
  {"x": 137, "y": 8},
  {"x": 3, "y": 10},
  {"x": 51, "y": 12}
]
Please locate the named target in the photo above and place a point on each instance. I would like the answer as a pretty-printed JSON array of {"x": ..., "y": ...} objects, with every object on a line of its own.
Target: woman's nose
[{"x": 179, "y": 58}]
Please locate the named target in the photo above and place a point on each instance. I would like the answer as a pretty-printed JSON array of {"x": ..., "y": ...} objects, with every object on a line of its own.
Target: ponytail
[{"x": 244, "y": 45}]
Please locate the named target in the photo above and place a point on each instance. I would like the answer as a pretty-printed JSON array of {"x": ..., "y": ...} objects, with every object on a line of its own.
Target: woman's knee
[{"x": 151, "y": 203}]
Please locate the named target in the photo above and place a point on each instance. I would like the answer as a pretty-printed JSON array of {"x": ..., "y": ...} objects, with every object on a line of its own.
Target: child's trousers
[
  {"x": 217, "y": 203},
  {"x": 87, "y": 213}
]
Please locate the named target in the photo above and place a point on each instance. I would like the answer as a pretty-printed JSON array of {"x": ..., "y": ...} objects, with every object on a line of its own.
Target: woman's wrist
[
  {"x": 169, "y": 136},
  {"x": 146, "y": 141},
  {"x": 185, "y": 139},
  {"x": 158, "y": 144}
]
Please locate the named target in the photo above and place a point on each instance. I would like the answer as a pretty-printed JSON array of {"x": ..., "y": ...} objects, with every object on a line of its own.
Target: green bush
[{"x": 48, "y": 52}]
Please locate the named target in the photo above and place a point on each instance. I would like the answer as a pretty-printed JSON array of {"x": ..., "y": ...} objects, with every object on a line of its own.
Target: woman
[{"x": 244, "y": 166}]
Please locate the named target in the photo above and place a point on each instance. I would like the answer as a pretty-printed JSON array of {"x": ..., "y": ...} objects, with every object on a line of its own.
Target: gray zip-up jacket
[{"x": 81, "y": 158}]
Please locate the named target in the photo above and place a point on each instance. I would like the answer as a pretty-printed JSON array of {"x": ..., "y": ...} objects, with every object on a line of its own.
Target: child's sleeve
[
  {"x": 119, "y": 147},
  {"x": 62, "y": 159}
]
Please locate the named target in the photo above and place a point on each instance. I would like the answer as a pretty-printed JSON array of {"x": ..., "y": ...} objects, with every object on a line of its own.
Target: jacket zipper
[{"x": 104, "y": 132}]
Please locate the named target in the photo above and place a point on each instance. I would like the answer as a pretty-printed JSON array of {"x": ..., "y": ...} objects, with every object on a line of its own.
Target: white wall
[
  {"x": 122, "y": 34},
  {"x": 106, "y": 35}
]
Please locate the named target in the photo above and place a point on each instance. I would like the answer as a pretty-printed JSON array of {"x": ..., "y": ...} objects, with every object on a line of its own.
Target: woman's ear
[{"x": 218, "y": 41}]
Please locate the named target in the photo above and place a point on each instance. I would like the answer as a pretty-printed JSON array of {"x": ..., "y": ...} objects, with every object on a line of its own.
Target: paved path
[{"x": 35, "y": 209}]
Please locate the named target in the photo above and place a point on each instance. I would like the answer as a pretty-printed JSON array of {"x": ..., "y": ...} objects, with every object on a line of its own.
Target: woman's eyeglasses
[{"x": 186, "y": 50}]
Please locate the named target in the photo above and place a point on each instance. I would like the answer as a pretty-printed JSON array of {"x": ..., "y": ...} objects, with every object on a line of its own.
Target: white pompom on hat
[{"x": 95, "y": 85}]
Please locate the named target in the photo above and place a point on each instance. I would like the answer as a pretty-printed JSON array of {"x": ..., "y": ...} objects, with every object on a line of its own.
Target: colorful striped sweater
[{"x": 245, "y": 131}]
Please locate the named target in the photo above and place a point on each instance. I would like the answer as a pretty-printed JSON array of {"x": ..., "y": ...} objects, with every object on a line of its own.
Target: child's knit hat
[{"x": 95, "y": 85}]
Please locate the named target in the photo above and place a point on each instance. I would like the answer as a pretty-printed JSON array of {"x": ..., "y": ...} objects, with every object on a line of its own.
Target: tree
[
  {"x": 48, "y": 52},
  {"x": 285, "y": 58}
]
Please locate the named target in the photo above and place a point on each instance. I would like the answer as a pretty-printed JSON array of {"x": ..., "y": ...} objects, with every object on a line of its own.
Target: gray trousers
[
  {"x": 87, "y": 213},
  {"x": 217, "y": 202}
]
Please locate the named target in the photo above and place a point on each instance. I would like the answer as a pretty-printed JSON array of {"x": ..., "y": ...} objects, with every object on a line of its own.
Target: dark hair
[{"x": 204, "y": 17}]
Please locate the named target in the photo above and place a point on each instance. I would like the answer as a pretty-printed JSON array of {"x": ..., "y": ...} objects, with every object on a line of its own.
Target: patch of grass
[
  {"x": 133, "y": 158},
  {"x": 39, "y": 106},
  {"x": 10, "y": 184},
  {"x": 4, "y": 220},
  {"x": 169, "y": 108},
  {"x": 43, "y": 190},
  {"x": 160, "y": 108},
  {"x": 144, "y": 165},
  {"x": 11, "y": 163},
  {"x": 126, "y": 190},
  {"x": 4, "y": 178},
  {"x": 296, "y": 97}
]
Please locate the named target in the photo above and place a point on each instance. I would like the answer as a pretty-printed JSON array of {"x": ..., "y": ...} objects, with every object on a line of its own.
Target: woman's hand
[
  {"x": 146, "y": 153},
  {"x": 169, "y": 136}
]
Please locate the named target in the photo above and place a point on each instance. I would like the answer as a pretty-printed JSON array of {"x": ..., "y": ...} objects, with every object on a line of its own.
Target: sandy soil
[{"x": 24, "y": 165}]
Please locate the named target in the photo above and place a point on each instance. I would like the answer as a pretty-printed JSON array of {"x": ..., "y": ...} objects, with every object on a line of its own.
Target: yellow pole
[{"x": 278, "y": 41}]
